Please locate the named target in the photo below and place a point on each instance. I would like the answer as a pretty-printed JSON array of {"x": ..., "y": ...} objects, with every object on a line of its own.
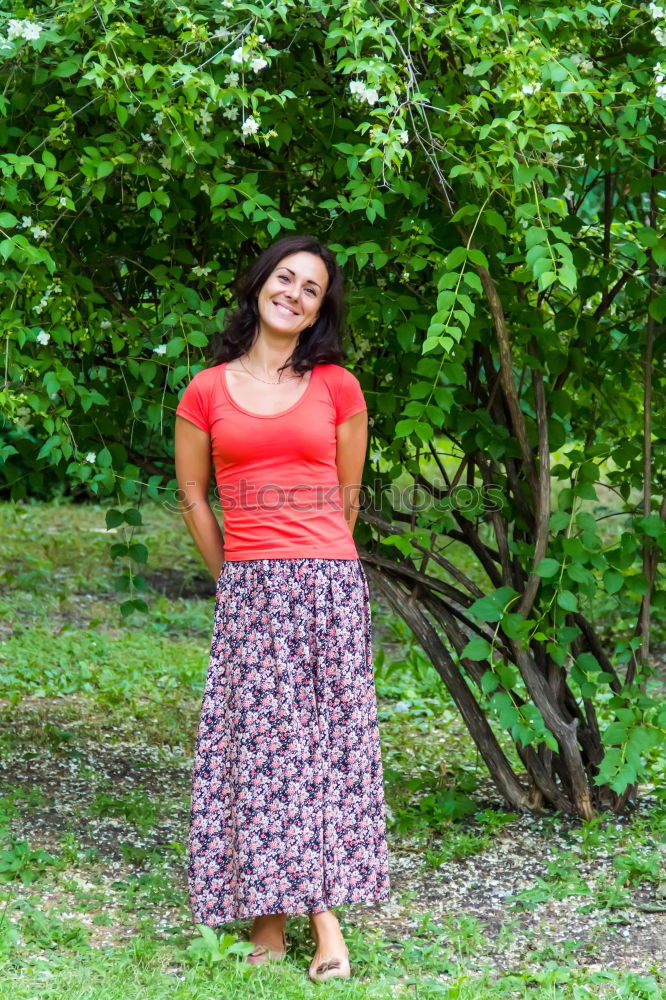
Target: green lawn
[{"x": 97, "y": 725}]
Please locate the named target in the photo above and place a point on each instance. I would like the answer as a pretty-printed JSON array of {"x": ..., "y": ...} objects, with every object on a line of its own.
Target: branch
[
  {"x": 606, "y": 301},
  {"x": 506, "y": 363},
  {"x": 543, "y": 496},
  {"x": 477, "y": 724}
]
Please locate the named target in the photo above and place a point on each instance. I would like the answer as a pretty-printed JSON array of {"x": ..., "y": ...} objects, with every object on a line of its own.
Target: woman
[{"x": 287, "y": 801}]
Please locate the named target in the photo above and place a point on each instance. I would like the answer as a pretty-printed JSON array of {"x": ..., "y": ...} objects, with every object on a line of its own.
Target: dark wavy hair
[{"x": 320, "y": 344}]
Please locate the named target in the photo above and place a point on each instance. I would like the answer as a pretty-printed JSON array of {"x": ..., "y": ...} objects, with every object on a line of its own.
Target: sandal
[
  {"x": 329, "y": 968},
  {"x": 333, "y": 967},
  {"x": 262, "y": 953}
]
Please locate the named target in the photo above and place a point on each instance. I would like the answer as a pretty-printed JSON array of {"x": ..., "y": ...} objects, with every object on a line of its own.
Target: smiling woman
[{"x": 288, "y": 810}]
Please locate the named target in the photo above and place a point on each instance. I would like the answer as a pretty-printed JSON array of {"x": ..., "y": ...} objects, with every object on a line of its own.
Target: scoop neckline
[{"x": 263, "y": 416}]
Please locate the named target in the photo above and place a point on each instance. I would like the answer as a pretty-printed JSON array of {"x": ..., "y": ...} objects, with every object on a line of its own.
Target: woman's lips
[{"x": 284, "y": 309}]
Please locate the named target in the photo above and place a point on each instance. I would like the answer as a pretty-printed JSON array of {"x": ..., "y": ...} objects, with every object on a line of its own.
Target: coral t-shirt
[{"x": 277, "y": 480}]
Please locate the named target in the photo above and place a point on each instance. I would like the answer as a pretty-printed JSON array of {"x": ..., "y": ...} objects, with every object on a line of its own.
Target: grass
[{"x": 97, "y": 725}]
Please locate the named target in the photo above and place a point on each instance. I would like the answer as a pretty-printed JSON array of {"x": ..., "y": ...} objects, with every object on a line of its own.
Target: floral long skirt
[{"x": 288, "y": 810}]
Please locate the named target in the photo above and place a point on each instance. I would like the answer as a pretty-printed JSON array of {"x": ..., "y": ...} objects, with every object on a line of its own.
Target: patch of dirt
[
  {"x": 468, "y": 900},
  {"x": 180, "y": 584},
  {"x": 620, "y": 936}
]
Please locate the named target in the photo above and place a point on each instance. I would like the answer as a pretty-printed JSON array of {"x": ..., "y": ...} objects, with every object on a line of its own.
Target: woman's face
[{"x": 291, "y": 297}]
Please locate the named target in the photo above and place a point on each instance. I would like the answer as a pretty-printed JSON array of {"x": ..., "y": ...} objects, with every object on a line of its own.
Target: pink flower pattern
[{"x": 288, "y": 812}]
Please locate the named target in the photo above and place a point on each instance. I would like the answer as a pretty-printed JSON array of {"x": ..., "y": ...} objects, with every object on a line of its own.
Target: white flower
[
  {"x": 105, "y": 324},
  {"x": 655, "y": 11},
  {"x": 364, "y": 93},
  {"x": 568, "y": 192},
  {"x": 26, "y": 220},
  {"x": 39, "y": 232},
  {"x": 660, "y": 34},
  {"x": 165, "y": 162},
  {"x": 469, "y": 69},
  {"x": 158, "y": 117},
  {"x": 204, "y": 187},
  {"x": 201, "y": 272},
  {"x": 231, "y": 79},
  {"x": 238, "y": 55},
  {"x": 403, "y": 138},
  {"x": 231, "y": 113},
  {"x": 261, "y": 39},
  {"x": 62, "y": 202},
  {"x": 23, "y": 29},
  {"x": 658, "y": 72},
  {"x": 661, "y": 91},
  {"x": 249, "y": 126},
  {"x": 258, "y": 64},
  {"x": 147, "y": 137},
  {"x": 229, "y": 162},
  {"x": 90, "y": 457},
  {"x": 160, "y": 349},
  {"x": 204, "y": 116},
  {"x": 31, "y": 30},
  {"x": 586, "y": 66},
  {"x": 43, "y": 337},
  {"x": 530, "y": 88},
  {"x": 221, "y": 33}
]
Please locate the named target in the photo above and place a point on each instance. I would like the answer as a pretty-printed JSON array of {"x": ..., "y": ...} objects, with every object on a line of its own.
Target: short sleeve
[
  {"x": 194, "y": 403},
  {"x": 349, "y": 399}
]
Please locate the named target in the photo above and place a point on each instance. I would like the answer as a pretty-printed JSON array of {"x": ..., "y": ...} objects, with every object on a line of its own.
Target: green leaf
[
  {"x": 489, "y": 680},
  {"x": 567, "y": 600},
  {"x": 495, "y": 220},
  {"x": 478, "y": 257},
  {"x": 66, "y": 68},
  {"x": 476, "y": 649},
  {"x": 132, "y": 516},
  {"x": 455, "y": 258},
  {"x": 613, "y": 581},
  {"x": 114, "y": 518},
  {"x": 404, "y": 427},
  {"x": 491, "y": 607},
  {"x": 547, "y": 567}
]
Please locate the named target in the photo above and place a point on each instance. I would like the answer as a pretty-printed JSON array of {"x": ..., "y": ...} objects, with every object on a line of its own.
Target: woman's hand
[{"x": 193, "y": 469}]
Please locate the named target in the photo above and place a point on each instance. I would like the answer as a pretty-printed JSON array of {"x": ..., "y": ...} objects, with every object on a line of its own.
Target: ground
[{"x": 95, "y": 774}]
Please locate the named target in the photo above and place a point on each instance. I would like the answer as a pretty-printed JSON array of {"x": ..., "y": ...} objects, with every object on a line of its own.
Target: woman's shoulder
[
  {"x": 206, "y": 377},
  {"x": 336, "y": 373}
]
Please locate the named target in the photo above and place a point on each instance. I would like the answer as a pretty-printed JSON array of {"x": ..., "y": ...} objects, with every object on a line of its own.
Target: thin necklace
[{"x": 279, "y": 381}]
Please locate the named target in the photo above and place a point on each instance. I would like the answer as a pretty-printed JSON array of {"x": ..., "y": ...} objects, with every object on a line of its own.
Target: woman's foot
[
  {"x": 267, "y": 936},
  {"x": 331, "y": 959}
]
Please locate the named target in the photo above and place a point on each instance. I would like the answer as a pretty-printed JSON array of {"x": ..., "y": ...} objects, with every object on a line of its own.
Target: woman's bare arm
[
  {"x": 352, "y": 444},
  {"x": 193, "y": 468}
]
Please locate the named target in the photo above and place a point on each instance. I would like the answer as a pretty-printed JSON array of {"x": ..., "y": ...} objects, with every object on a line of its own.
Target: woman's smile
[{"x": 284, "y": 309}]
